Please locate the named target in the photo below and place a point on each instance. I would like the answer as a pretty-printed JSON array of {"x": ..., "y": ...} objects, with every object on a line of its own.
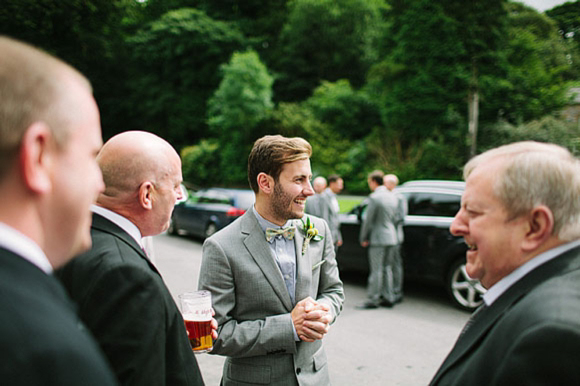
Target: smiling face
[
  {"x": 494, "y": 240},
  {"x": 288, "y": 198}
]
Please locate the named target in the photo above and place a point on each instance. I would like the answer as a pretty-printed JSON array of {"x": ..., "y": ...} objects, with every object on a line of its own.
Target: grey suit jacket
[
  {"x": 529, "y": 336},
  {"x": 378, "y": 226},
  {"x": 253, "y": 306},
  {"x": 313, "y": 205},
  {"x": 330, "y": 214}
]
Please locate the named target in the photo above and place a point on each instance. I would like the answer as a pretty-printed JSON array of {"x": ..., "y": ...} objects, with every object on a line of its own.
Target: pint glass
[{"x": 196, "y": 311}]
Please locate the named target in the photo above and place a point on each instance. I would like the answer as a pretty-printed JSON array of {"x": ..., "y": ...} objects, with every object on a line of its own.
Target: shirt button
[{"x": 298, "y": 370}]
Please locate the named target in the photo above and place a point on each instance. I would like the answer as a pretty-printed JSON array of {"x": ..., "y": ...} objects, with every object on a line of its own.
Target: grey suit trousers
[{"x": 386, "y": 274}]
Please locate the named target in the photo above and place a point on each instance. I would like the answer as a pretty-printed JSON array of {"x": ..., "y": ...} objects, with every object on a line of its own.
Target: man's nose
[
  {"x": 458, "y": 226},
  {"x": 309, "y": 190}
]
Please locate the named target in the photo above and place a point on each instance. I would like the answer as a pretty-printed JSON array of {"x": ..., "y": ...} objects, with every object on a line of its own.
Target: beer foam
[{"x": 197, "y": 317}]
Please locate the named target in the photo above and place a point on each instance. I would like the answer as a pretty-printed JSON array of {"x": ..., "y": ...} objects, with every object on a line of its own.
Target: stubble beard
[{"x": 282, "y": 204}]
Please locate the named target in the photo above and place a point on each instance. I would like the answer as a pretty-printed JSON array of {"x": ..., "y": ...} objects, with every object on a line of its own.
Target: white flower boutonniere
[{"x": 310, "y": 232}]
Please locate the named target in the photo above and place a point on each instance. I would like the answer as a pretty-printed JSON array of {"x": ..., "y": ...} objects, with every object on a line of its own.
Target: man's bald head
[
  {"x": 142, "y": 174},
  {"x": 319, "y": 184},
  {"x": 132, "y": 157}
]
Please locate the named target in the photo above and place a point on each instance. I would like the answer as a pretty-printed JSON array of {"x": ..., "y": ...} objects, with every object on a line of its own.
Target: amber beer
[
  {"x": 199, "y": 334},
  {"x": 196, "y": 310}
]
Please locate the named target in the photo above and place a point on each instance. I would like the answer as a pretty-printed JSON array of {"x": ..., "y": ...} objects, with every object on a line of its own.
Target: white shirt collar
[
  {"x": 120, "y": 221},
  {"x": 501, "y": 286},
  {"x": 23, "y": 246}
]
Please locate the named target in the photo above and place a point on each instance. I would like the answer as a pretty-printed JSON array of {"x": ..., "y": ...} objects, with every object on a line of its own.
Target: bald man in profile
[{"x": 121, "y": 296}]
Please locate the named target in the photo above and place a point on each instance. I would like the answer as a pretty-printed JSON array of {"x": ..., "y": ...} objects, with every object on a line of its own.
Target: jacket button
[{"x": 298, "y": 371}]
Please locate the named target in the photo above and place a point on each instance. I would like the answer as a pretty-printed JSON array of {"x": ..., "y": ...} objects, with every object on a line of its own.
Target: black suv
[{"x": 430, "y": 252}]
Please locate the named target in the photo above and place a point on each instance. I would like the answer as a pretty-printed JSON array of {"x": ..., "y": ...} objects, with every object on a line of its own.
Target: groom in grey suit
[{"x": 274, "y": 280}]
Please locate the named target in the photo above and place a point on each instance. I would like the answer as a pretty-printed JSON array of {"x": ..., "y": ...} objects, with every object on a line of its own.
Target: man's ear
[
  {"x": 266, "y": 183},
  {"x": 146, "y": 195},
  {"x": 36, "y": 157},
  {"x": 540, "y": 227}
]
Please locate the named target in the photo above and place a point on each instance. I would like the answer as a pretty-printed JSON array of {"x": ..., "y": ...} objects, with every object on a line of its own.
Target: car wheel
[
  {"x": 465, "y": 292},
  {"x": 210, "y": 229}
]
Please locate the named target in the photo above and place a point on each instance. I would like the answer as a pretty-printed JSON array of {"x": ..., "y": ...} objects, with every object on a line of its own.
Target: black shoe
[
  {"x": 366, "y": 306},
  {"x": 386, "y": 303}
]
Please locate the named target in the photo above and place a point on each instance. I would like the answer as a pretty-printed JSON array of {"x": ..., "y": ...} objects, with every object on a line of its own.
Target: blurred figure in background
[
  {"x": 378, "y": 232},
  {"x": 391, "y": 181},
  {"x": 329, "y": 208},
  {"x": 314, "y": 203},
  {"x": 50, "y": 133}
]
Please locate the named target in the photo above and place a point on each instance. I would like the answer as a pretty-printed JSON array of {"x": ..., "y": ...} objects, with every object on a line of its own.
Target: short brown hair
[
  {"x": 31, "y": 90},
  {"x": 271, "y": 152},
  {"x": 377, "y": 176}
]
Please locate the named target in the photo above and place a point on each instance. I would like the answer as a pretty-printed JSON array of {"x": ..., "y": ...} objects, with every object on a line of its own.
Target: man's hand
[
  {"x": 214, "y": 326},
  {"x": 311, "y": 319}
]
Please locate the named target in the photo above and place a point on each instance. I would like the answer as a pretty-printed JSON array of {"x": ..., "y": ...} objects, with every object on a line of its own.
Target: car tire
[
  {"x": 465, "y": 292},
  {"x": 210, "y": 229}
]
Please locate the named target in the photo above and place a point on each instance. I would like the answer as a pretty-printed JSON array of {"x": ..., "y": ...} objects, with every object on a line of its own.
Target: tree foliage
[
  {"x": 176, "y": 60},
  {"x": 242, "y": 100},
  {"x": 370, "y": 83},
  {"x": 327, "y": 40}
]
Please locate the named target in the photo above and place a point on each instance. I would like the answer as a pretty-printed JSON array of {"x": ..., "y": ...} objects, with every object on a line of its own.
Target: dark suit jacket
[
  {"x": 42, "y": 341},
  {"x": 125, "y": 303},
  {"x": 529, "y": 336}
]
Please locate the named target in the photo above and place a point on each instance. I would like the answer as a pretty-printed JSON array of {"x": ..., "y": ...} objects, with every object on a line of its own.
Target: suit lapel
[
  {"x": 489, "y": 317},
  {"x": 104, "y": 225},
  {"x": 260, "y": 251},
  {"x": 303, "y": 264}
]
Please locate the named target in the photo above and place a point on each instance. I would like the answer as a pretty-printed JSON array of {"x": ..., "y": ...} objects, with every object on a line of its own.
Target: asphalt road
[{"x": 400, "y": 346}]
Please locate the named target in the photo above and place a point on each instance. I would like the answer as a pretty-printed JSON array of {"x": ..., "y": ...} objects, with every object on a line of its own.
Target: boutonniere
[{"x": 310, "y": 232}]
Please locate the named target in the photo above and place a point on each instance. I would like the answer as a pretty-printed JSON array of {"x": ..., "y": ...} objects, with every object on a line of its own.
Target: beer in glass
[{"x": 196, "y": 311}]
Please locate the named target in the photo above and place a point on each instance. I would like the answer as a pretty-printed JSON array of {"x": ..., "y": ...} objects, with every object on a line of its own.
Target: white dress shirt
[
  {"x": 121, "y": 222},
  {"x": 22, "y": 245}
]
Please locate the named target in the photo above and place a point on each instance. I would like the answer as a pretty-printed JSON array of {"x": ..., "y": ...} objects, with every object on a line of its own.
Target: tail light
[{"x": 235, "y": 212}]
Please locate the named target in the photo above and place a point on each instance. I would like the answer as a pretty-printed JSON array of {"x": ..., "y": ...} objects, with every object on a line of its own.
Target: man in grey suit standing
[
  {"x": 273, "y": 276},
  {"x": 520, "y": 216},
  {"x": 329, "y": 208},
  {"x": 314, "y": 202},
  {"x": 378, "y": 232}
]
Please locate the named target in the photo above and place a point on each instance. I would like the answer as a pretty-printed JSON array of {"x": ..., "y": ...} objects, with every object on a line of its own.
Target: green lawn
[{"x": 346, "y": 203}]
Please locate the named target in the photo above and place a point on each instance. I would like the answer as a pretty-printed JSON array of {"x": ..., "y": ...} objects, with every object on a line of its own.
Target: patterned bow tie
[{"x": 287, "y": 232}]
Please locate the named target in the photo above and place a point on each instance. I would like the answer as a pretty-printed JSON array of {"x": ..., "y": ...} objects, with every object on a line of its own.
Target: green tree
[
  {"x": 88, "y": 34},
  {"x": 242, "y": 100},
  {"x": 327, "y": 40},
  {"x": 176, "y": 69},
  {"x": 535, "y": 82},
  {"x": 352, "y": 114},
  {"x": 422, "y": 77},
  {"x": 201, "y": 163}
]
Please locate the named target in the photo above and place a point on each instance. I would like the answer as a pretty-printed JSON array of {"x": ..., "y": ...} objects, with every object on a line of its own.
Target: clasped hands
[{"x": 311, "y": 319}]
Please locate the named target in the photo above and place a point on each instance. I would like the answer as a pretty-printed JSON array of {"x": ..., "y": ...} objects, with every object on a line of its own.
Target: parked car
[
  {"x": 430, "y": 252},
  {"x": 206, "y": 211}
]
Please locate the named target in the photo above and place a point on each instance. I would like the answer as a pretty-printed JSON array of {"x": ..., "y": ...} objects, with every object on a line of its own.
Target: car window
[
  {"x": 433, "y": 204},
  {"x": 215, "y": 197}
]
